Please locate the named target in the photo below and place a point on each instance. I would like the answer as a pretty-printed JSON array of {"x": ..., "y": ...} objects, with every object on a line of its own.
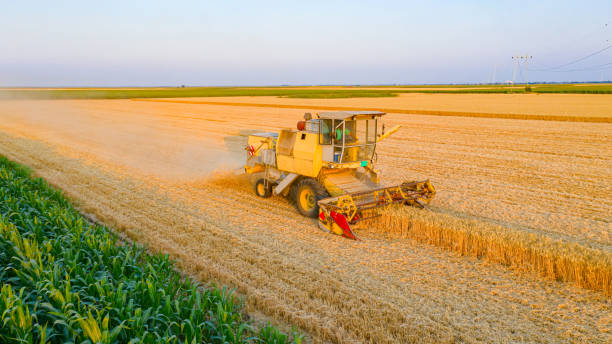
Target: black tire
[
  {"x": 291, "y": 196},
  {"x": 313, "y": 191},
  {"x": 261, "y": 190}
]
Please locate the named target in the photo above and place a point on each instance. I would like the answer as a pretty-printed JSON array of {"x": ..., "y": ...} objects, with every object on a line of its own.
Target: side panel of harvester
[
  {"x": 299, "y": 152},
  {"x": 257, "y": 147}
]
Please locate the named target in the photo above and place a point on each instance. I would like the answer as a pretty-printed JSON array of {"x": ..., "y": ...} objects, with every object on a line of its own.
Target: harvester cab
[
  {"x": 326, "y": 167},
  {"x": 347, "y": 140}
]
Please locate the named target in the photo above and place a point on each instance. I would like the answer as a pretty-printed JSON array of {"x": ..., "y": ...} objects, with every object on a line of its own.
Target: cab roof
[{"x": 342, "y": 115}]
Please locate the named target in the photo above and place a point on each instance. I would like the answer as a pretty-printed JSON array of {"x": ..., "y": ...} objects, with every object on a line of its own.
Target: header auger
[{"x": 326, "y": 167}]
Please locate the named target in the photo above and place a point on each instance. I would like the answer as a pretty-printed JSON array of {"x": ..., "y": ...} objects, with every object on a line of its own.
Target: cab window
[{"x": 325, "y": 137}]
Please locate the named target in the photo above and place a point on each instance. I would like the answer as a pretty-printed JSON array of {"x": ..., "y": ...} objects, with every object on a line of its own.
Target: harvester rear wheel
[
  {"x": 261, "y": 189},
  {"x": 308, "y": 193}
]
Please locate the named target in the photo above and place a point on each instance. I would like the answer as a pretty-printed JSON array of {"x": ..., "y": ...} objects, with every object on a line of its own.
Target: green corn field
[{"x": 65, "y": 280}]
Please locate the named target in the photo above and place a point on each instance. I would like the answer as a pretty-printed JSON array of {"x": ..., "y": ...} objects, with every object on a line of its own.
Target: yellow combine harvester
[{"x": 326, "y": 167}]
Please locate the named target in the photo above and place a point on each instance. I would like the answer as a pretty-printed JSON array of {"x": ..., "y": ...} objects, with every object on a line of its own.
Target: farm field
[
  {"x": 145, "y": 167},
  {"x": 566, "y": 107}
]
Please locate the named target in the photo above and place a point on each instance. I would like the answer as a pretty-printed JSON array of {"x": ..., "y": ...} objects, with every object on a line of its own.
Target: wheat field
[
  {"x": 147, "y": 168},
  {"x": 557, "y": 107}
]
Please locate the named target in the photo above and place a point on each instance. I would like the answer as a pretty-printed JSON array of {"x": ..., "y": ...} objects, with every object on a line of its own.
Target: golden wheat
[
  {"x": 410, "y": 111},
  {"x": 528, "y": 251}
]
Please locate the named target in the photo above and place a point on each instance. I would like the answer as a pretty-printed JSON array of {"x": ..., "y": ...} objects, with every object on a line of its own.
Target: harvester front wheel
[
  {"x": 308, "y": 193},
  {"x": 261, "y": 189}
]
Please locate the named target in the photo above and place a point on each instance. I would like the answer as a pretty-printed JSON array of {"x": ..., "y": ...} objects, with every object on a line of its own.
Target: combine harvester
[{"x": 326, "y": 167}]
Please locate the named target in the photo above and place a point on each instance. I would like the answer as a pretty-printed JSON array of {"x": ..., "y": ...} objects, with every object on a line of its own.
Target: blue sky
[{"x": 130, "y": 43}]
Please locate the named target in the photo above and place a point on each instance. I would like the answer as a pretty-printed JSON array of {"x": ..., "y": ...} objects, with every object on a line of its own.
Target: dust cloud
[
  {"x": 202, "y": 158},
  {"x": 130, "y": 140}
]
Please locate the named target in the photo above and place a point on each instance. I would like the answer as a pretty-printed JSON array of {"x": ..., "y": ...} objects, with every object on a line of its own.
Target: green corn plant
[
  {"x": 17, "y": 322},
  {"x": 90, "y": 328}
]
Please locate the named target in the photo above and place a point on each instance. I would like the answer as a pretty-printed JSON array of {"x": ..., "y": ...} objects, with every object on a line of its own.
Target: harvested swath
[{"x": 520, "y": 249}]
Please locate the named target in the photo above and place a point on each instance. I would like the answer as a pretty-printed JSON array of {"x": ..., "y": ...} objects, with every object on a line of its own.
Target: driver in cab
[{"x": 348, "y": 133}]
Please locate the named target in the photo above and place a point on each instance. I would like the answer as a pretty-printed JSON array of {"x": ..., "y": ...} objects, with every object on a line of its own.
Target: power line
[
  {"x": 574, "y": 61},
  {"x": 591, "y": 68},
  {"x": 570, "y": 40}
]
